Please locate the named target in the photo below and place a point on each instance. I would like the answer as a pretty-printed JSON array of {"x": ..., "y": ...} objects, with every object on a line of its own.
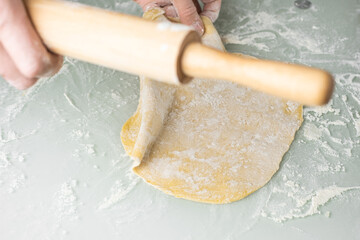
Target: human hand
[
  {"x": 23, "y": 57},
  {"x": 186, "y": 10}
]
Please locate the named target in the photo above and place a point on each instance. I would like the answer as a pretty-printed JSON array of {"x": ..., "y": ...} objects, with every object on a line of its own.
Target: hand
[
  {"x": 186, "y": 10},
  {"x": 23, "y": 57}
]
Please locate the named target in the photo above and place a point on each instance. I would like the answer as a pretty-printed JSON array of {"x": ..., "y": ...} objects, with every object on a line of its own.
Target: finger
[
  {"x": 148, "y": 4},
  {"x": 211, "y": 9},
  {"x": 170, "y": 11},
  {"x": 9, "y": 71},
  {"x": 23, "y": 44},
  {"x": 188, "y": 14},
  {"x": 166, "y": 5}
]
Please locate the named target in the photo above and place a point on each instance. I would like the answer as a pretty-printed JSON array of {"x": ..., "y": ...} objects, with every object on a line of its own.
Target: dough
[{"x": 208, "y": 141}]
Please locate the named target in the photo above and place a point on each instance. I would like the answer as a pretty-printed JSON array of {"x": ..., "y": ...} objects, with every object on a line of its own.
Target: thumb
[{"x": 188, "y": 14}]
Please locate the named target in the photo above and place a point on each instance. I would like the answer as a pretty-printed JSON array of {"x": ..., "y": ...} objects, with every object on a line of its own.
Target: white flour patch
[
  {"x": 71, "y": 102},
  {"x": 12, "y": 175},
  {"x": 248, "y": 40},
  {"x": 329, "y": 138},
  {"x": 261, "y": 30},
  {"x": 309, "y": 204},
  {"x": 311, "y": 132},
  {"x": 357, "y": 126},
  {"x": 119, "y": 191},
  {"x": 66, "y": 204}
]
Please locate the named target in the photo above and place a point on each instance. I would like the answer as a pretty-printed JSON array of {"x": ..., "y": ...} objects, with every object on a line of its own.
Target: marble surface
[{"x": 65, "y": 175}]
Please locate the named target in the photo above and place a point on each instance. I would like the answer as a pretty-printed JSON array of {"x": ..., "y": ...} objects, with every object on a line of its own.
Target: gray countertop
[{"x": 65, "y": 175}]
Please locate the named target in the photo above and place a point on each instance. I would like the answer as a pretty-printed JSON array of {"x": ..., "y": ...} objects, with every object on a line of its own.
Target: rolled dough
[{"x": 208, "y": 141}]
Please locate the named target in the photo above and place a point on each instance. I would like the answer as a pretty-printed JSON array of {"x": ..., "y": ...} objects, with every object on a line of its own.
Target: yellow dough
[{"x": 208, "y": 141}]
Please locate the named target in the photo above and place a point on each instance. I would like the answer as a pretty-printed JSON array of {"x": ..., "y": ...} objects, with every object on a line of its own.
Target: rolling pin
[{"x": 167, "y": 52}]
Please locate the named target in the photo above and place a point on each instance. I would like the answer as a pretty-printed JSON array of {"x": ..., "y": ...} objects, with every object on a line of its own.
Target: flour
[
  {"x": 357, "y": 126},
  {"x": 332, "y": 169},
  {"x": 90, "y": 149},
  {"x": 261, "y": 29},
  {"x": 12, "y": 175},
  {"x": 119, "y": 191},
  {"x": 70, "y": 101},
  {"x": 325, "y": 151},
  {"x": 249, "y": 40},
  {"x": 217, "y": 145},
  {"x": 311, "y": 132},
  {"x": 300, "y": 196},
  {"x": 66, "y": 203},
  {"x": 128, "y": 7},
  {"x": 323, "y": 126},
  {"x": 323, "y": 129},
  {"x": 309, "y": 205}
]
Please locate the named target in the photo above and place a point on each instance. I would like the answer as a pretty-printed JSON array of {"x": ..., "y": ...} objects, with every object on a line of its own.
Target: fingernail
[{"x": 198, "y": 26}]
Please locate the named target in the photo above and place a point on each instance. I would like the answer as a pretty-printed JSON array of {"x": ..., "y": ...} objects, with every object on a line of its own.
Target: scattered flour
[
  {"x": 310, "y": 204},
  {"x": 261, "y": 29},
  {"x": 249, "y": 40},
  {"x": 12, "y": 175},
  {"x": 71, "y": 102},
  {"x": 66, "y": 203},
  {"x": 357, "y": 126},
  {"x": 311, "y": 132},
  {"x": 257, "y": 29},
  {"x": 90, "y": 149},
  {"x": 119, "y": 191}
]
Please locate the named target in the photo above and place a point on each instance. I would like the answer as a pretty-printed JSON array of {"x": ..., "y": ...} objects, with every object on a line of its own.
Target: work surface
[{"x": 64, "y": 173}]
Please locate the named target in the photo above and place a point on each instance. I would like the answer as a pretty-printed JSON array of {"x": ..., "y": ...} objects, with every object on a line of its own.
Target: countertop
[{"x": 64, "y": 173}]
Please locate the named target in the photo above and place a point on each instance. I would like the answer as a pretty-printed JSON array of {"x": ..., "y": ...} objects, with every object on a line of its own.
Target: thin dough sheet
[{"x": 209, "y": 141}]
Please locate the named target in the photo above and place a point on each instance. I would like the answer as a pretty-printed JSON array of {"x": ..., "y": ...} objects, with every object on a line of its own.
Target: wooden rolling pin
[{"x": 167, "y": 52}]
